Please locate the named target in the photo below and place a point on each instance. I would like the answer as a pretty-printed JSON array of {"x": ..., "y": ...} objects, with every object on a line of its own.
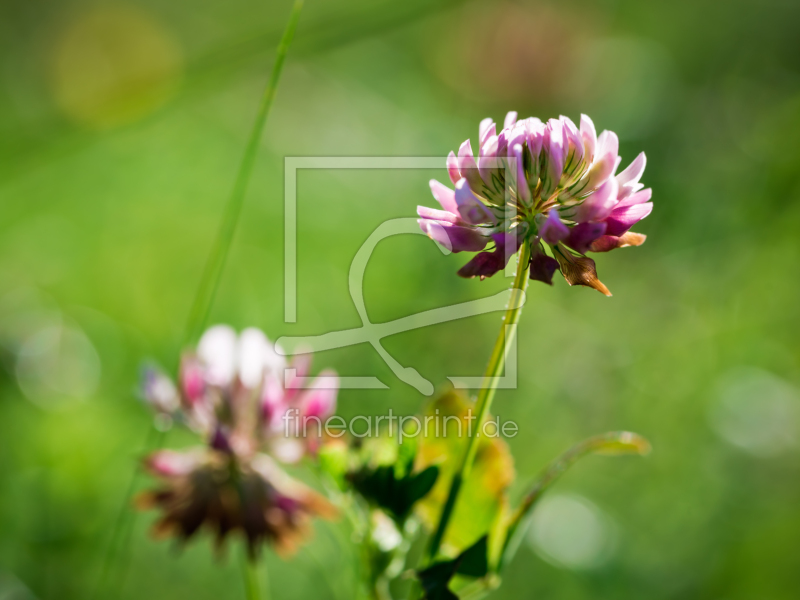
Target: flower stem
[
  {"x": 485, "y": 395},
  {"x": 120, "y": 536},
  {"x": 251, "y": 583},
  {"x": 219, "y": 251}
]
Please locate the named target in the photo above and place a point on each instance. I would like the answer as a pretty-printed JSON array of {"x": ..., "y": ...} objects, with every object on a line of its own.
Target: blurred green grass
[{"x": 105, "y": 225}]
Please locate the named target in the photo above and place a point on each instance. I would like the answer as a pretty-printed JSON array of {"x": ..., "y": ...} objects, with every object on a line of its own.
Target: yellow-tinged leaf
[
  {"x": 483, "y": 496},
  {"x": 621, "y": 442}
]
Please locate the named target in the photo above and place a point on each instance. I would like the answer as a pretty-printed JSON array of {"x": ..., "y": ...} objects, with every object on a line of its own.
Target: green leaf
[
  {"x": 406, "y": 453},
  {"x": 472, "y": 562},
  {"x": 394, "y": 487},
  {"x": 614, "y": 443},
  {"x": 333, "y": 459},
  {"x": 435, "y": 579},
  {"x": 484, "y": 494},
  {"x": 422, "y": 483}
]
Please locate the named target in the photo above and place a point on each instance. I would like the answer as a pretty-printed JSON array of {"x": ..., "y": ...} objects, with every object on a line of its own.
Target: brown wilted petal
[
  {"x": 611, "y": 242},
  {"x": 579, "y": 270},
  {"x": 224, "y": 494}
]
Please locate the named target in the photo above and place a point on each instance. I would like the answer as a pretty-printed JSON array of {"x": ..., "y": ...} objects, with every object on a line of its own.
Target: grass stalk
[
  {"x": 212, "y": 273},
  {"x": 209, "y": 283}
]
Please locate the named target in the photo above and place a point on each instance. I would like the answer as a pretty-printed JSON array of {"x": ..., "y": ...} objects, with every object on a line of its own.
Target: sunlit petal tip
[
  {"x": 255, "y": 354},
  {"x": 608, "y": 142},
  {"x": 486, "y": 129},
  {"x": 465, "y": 150},
  {"x": 535, "y": 137},
  {"x": 467, "y": 165},
  {"x": 558, "y": 142},
  {"x": 587, "y": 125},
  {"x": 575, "y": 143},
  {"x": 607, "y": 243},
  {"x": 639, "y": 197},
  {"x": 444, "y": 196},
  {"x": 511, "y": 118},
  {"x": 452, "y": 167},
  {"x": 516, "y": 136},
  {"x": 217, "y": 350},
  {"x": 490, "y": 147},
  {"x": 622, "y": 219},
  {"x": 633, "y": 172},
  {"x": 488, "y": 161},
  {"x": 437, "y": 215}
]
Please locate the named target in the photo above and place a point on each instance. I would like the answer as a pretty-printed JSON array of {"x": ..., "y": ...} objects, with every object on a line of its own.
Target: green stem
[
  {"x": 250, "y": 574},
  {"x": 219, "y": 251},
  {"x": 485, "y": 396},
  {"x": 121, "y": 532}
]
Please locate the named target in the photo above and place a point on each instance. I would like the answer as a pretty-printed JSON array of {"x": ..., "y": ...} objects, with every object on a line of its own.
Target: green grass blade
[
  {"x": 230, "y": 218},
  {"x": 121, "y": 532}
]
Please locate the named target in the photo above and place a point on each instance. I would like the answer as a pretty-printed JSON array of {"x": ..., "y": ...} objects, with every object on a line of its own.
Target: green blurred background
[{"x": 121, "y": 128}]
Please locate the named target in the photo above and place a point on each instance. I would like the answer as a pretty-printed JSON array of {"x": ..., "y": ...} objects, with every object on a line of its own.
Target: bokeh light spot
[
  {"x": 571, "y": 532},
  {"x": 57, "y": 366},
  {"x": 756, "y": 412},
  {"x": 113, "y": 65}
]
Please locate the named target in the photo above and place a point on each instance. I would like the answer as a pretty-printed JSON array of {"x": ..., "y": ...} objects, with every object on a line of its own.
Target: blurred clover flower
[
  {"x": 238, "y": 392},
  {"x": 552, "y": 183},
  {"x": 240, "y": 395},
  {"x": 229, "y": 493}
]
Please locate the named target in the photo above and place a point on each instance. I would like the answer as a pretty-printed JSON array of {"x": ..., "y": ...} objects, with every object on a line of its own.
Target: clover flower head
[
  {"x": 242, "y": 396},
  {"x": 553, "y": 183},
  {"x": 236, "y": 391},
  {"x": 204, "y": 487}
]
